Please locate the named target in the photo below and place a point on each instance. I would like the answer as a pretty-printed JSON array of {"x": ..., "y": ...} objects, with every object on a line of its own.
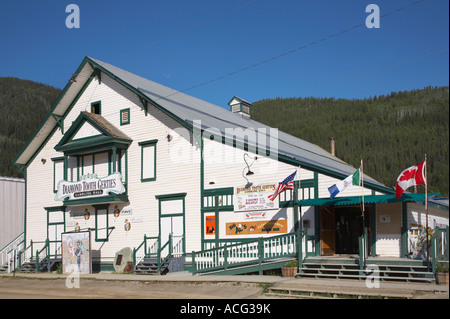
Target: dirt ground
[
  {"x": 25, "y": 288},
  {"x": 89, "y": 288}
]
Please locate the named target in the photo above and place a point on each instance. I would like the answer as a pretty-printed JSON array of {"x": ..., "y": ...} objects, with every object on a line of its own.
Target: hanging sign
[
  {"x": 90, "y": 186},
  {"x": 254, "y": 197},
  {"x": 257, "y": 227}
]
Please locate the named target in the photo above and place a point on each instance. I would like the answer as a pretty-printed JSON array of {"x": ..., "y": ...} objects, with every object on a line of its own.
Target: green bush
[
  {"x": 442, "y": 267},
  {"x": 292, "y": 263}
]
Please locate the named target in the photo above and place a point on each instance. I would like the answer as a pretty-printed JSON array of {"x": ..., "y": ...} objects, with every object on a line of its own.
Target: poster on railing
[
  {"x": 257, "y": 227},
  {"x": 254, "y": 197},
  {"x": 76, "y": 252}
]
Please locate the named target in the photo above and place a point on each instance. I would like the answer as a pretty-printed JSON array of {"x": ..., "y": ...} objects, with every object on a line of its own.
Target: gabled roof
[
  {"x": 186, "y": 109},
  {"x": 102, "y": 132}
]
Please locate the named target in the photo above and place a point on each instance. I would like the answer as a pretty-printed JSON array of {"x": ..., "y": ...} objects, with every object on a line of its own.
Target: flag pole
[
  {"x": 362, "y": 189},
  {"x": 426, "y": 212},
  {"x": 297, "y": 199}
]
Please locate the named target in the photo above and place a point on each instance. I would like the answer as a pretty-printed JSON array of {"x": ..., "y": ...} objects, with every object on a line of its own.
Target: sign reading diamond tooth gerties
[{"x": 90, "y": 186}]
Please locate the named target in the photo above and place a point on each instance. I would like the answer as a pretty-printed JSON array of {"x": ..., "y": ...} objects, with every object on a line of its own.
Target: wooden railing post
[
  {"x": 225, "y": 256},
  {"x": 194, "y": 266},
  {"x": 37, "y": 260},
  {"x": 260, "y": 254},
  {"x": 447, "y": 243},
  {"x": 299, "y": 240}
]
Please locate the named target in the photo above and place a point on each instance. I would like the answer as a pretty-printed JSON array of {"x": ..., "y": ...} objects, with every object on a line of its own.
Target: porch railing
[
  {"x": 439, "y": 247},
  {"x": 42, "y": 255},
  {"x": 10, "y": 251},
  {"x": 148, "y": 247},
  {"x": 151, "y": 247},
  {"x": 250, "y": 252}
]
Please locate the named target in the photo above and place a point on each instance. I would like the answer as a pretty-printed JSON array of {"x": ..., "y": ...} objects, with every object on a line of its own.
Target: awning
[{"x": 371, "y": 199}]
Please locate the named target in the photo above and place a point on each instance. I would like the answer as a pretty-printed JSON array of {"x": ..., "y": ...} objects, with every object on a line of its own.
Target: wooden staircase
[
  {"x": 149, "y": 266},
  {"x": 403, "y": 270},
  {"x": 30, "y": 266}
]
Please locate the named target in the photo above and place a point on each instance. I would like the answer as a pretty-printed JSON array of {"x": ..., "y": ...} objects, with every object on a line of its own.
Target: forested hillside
[
  {"x": 389, "y": 132},
  {"x": 23, "y": 106}
]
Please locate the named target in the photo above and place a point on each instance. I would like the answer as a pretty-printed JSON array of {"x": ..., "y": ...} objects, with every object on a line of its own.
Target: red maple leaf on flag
[
  {"x": 411, "y": 176},
  {"x": 408, "y": 174}
]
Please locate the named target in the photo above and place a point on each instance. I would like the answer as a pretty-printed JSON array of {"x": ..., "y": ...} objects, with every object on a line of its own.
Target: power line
[{"x": 291, "y": 51}]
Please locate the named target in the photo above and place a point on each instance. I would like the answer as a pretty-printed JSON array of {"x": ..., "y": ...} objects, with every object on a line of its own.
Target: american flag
[{"x": 287, "y": 183}]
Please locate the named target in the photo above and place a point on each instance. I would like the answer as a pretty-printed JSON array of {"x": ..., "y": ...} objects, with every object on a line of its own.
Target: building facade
[{"x": 125, "y": 159}]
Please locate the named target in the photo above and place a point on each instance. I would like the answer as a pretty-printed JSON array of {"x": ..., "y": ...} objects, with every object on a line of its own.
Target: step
[
  {"x": 329, "y": 293},
  {"x": 363, "y": 277},
  {"x": 385, "y": 272},
  {"x": 327, "y": 266}
]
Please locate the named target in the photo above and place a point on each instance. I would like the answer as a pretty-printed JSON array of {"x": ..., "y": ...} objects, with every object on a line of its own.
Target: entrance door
[
  {"x": 173, "y": 225},
  {"x": 327, "y": 231},
  {"x": 55, "y": 226},
  {"x": 171, "y": 217}
]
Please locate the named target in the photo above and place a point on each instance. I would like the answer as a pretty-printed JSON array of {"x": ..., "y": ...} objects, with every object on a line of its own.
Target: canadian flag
[{"x": 411, "y": 176}]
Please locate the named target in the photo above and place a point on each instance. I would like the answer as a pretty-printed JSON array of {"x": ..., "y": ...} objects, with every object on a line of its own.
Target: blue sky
[{"x": 182, "y": 44}]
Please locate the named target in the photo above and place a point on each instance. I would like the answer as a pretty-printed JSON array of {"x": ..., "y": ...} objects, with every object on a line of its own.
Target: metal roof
[
  {"x": 192, "y": 110},
  {"x": 371, "y": 199}
]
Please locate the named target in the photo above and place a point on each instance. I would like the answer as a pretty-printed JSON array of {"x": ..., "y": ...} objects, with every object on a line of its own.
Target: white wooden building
[{"x": 132, "y": 162}]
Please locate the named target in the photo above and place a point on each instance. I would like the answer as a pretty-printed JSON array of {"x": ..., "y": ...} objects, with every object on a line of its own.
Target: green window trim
[
  {"x": 173, "y": 197},
  {"x": 143, "y": 145},
  {"x": 94, "y": 105},
  {"x": 56, "y": 160},
  {"x": 124, "y": 116},
  {"x": 57, "y": 209},
  {"x": 97, "y": 208}
]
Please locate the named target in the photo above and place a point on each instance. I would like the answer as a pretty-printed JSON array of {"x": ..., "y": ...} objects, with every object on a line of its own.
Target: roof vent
[{"x": 240, "y": 106}]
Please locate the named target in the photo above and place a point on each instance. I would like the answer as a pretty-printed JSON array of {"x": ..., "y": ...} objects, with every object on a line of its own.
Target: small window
[
  {"x": 58, "y": 172},
  {"x": 101, "y": 223},
  {"x": 148, "y": 160},
  {"x": 124, "y": 116},
  {"x": 96, "y": 107}
]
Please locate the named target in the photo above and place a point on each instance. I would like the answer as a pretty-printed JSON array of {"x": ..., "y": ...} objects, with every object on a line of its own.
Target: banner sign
[
  {"x": 76, "y": 252},
  {"x": 254, "y": 197},
  {"x": 257, "y": 227},
  {"x": 90, "y": 186},
  {"x": 255, "y": 215}
]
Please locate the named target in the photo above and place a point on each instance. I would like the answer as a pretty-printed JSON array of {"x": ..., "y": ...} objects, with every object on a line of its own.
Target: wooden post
[
  {"x": 299, "y": 238},
  {"x": 194, "y": 266},
  {"x": 260, "y": 254}
]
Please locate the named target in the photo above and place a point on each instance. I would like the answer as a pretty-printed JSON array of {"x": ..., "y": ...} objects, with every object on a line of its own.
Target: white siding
[
  {"x": 388, "y": 245},
  {"x": 142, "y": 208},
  {"x": 417, "y": 215}
]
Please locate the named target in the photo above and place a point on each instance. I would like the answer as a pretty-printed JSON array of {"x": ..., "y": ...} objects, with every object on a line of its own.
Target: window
[
  {"x": 101, "y": 223},
  {"x": 148, "y": 160},
  {"x": 58, "y": 171},
  {"x": 96, "y": 107},
  {"x": 125, "y": 117}
]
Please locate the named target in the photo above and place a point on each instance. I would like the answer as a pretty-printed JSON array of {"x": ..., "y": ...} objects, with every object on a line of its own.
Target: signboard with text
[
  {"x": 262, "y": 227},
  {"x": 90, "y": 186},
  {"x": 254, "y": 197}
]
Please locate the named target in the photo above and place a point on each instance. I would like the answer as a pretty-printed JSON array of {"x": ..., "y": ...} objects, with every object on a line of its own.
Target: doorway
[
  {"x": 171, "y": 221},
  {"x": 340, "y": 228}
]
